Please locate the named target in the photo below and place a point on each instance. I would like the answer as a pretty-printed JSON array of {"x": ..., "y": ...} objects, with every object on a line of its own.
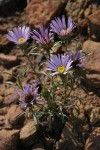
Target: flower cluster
[
  {"x": 54, "y": 66},
  {"x": 21, "y": 34}
]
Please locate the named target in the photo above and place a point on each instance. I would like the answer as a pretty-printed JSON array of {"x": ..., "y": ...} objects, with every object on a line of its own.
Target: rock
[
  {"x": 95, "y": 115},
  {"x": 28, "y": 135},
  {"x": 29, "y": 77},
  {"x": 38, "y": 146},
  {"x": 5, "y": 45},
  {"x": 93, "y": 142},
  {"x": 92, "y": 61},
  {"x": 9, "y": 75},
  {"x": 82, "y": 26},
  {"x": 95, "y": 8},
  {"x": 79, "y": 10},
  {"x": 87, "y": 12},
  {"x": 1, "y": 99},
  {"x": 40, "y": 13},
  {"x": 15, "y": 116},
  {"x": 94, "y": 26},
  {"x": 76, "y": 9},
  {"x": 6, "y": 6},
  {"x": 1, "y": 79},
  {"x": 11, "y": 96},
  {"x": 68, "y": 140},
  {"x": 3, "y": 2},
  {"x": 92, "y": 64},
  {"x": 2, "y": 118},
  {"x": 8, "y": 61},
  {"x": 9, "y": 139},
  {"x": 3, "y": 111},
  {"x": 1, "y": 124}
]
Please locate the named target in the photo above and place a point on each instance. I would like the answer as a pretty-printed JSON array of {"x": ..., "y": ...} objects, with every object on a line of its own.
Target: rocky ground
[{"x": 16, "y": 133}]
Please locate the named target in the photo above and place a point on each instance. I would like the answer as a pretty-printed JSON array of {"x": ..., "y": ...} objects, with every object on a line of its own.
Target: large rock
[
  {"x": 92, "y": 64},
  {"x": 76, "y": 9},
  {"x": 3, "y": 111},
  {"x": 1, "y": 99},
  {"x": 69, "y": 138},
  {"x": 93, "y": 142},
  {"x": 8, "y": 61},
  {"x": 28, "y": 135},
  {"x": 11, "y": 96},
  {"x": 9, "y": 139},
  {"x": 3, "y": 2},
  {"x": 9, "y": 7},
  {"x": 5, "y": 5},
  {"x": 95, "y": 116},
  {"x": 79, "y": 10},
  {"x": 92, "y": 61},
  {"x": 40, "y": 12},
  {"x": 38, "y": 146},
  {"x": 15, "y": 116},
  {"x": 1, "y": 79},
  {"x": 2, "y": 118},
  {"x": 94, "y": 26}
]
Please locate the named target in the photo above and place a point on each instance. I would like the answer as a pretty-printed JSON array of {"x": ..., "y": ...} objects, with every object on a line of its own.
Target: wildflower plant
[{"x": 58, "y": 71}]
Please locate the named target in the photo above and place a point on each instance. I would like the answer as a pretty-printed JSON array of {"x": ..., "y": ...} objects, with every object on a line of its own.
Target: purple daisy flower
[
  {"x": 19, "y": 35},
  {"x": 76, "y": 58},
  {"x": 59, "y": 26},
  {"x": 28, "y": 95},
  {"x": 59, "y": 64},
  {"x": 43, "y": 37}
]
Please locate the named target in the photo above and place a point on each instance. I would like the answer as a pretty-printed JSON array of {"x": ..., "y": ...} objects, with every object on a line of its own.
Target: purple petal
[
  {"x": 59, "y": 24},
  {"x": 56, "y": 60},
  {"x": 64, "y": 22},
  {"x": 51, "y": 66},
  {"x": 77, "y": 54},
  {"x": 54, "y": 73},
  {"x": 42, "y": 30}
]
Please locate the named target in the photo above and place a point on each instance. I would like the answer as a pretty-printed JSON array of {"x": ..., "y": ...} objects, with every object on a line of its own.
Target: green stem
[
  {"x": 48, "y": 53},
  {"x": 72, "y": 85},
  {"x": 31, "y": 64},
  {"x": 24, "y": 50},
  {"x": 52, "y": 90},
  {"x": 66, "y": 44},
  {"x": 64, "y": 79},
  {"x": 65, "y": 87}
]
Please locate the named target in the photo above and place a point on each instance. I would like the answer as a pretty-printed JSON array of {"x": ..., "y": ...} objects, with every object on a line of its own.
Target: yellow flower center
[
  {"x": 65, "y": 31},
  {"x": 21, "y": 39},
  {"x": 61, "y": 69}
]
